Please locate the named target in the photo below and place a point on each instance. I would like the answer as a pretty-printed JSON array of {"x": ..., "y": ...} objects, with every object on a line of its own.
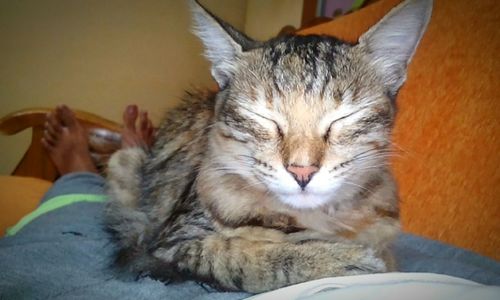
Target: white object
[{"x": 387, "y": 286}]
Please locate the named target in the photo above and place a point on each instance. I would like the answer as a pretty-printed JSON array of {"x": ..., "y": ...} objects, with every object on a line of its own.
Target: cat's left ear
[
  {"x": 391, "y": 43},
  {"x": 223, "y": 43}
]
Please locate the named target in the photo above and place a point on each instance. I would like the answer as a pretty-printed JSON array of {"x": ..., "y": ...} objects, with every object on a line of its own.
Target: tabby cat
[{"x": 281, "y": 176}]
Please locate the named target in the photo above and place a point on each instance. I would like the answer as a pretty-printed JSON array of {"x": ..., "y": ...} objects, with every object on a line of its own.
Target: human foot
[
  {"x": 66, "y": 142},
  {"x": 143, "y": 136}
]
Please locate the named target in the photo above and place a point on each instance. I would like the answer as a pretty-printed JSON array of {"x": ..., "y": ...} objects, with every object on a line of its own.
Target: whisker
[
  {"x": 398, "y": 147},
  {"x": 377, "y": 155},
  {"x": 360, "y": 186},
  {"x": 259, "y": 182},
  {"x": 371, "y": 167},
  {"x": 247, "y": 156},
  {"x": 374, "y": 158},
  {"x": 363, "y": 152}
]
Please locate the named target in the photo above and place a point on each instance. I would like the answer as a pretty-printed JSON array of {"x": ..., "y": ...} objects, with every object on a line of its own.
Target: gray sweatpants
[{"x": 62, "y": 251}]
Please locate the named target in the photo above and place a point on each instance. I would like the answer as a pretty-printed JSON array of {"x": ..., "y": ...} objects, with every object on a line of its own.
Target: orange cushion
[{"x": 18, "y": 197}]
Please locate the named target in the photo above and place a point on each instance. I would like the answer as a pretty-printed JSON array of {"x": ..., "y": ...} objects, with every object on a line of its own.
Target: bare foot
[
  {"x": 66, "y": 142},
  {"x": 144, "y": 135}
]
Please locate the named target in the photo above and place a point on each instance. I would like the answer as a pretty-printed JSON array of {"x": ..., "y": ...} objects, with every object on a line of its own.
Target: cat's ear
[
  {"x": 223, "y": 43},
  {"x": 391, "y": 43}
]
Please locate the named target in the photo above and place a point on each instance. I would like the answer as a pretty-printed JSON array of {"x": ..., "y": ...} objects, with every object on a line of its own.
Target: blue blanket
[{"x": 66, "y": 253}]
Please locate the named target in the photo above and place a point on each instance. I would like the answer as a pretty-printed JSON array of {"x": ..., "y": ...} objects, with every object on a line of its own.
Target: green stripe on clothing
[
  {"x": 357, "y": 4},
  {"x": 53, "y": 204}
]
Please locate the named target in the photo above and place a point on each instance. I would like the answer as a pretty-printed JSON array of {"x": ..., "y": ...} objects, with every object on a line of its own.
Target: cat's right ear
[{"x": 223, "y": 43}]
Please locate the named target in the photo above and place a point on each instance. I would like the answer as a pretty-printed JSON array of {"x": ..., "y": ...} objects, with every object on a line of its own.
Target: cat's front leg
[
  {"x": 309, "y": 235},
  {"x": 258, "y": 266},
  {"x": 382, "y": 249}
]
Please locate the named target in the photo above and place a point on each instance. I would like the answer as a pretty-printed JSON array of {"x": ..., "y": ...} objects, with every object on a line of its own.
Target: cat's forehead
[
  {"x": 308, "y": 76},
  {"x": 303, "y": 63},
  {"x": 307, "y": 47}
]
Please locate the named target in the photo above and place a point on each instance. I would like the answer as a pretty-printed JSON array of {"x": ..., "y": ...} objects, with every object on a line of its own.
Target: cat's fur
[{"x": 216, "y": 199}]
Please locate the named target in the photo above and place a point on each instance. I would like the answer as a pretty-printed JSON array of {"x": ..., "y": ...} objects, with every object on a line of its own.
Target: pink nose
[{"x": 302, "y": 174}]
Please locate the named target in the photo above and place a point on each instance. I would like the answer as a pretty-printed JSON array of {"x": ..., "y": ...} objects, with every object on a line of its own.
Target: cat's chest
[
  {"x": 327, "y": 223},
  {"x": 330, "y": 224}
]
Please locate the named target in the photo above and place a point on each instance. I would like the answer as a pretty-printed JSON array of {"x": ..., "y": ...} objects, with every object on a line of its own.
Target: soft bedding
[
  {"x": 428, "y": 286},
  {"x": 62, "y": 251}
]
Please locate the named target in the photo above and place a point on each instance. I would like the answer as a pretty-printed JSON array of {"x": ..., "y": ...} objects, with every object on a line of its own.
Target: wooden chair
[{"x": 104, "y": 139}]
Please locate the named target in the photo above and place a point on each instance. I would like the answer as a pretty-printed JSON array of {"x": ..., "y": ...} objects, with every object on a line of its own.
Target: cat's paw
[
  {"x": 257, "y": 234},
  {"x": 366, "y": 261},
  {"x": 342, "y": 259},
  {"x": 309, "y": 235}
]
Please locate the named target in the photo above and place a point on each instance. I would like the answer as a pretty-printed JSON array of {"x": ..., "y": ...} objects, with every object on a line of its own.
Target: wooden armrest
[{"x": 104, "y": 139}]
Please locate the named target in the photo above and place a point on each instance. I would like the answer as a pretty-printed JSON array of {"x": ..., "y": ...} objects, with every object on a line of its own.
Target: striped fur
[{"x": 213, "y": 200}]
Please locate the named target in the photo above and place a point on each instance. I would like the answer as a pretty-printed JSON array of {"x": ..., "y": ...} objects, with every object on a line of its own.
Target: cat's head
[{"x": 308, "y": 118}]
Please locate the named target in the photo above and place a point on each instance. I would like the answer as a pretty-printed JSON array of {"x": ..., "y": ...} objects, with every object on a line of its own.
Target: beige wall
[
  {"x": 265, "y": 18},
  {"x": 99, "y": 55}
]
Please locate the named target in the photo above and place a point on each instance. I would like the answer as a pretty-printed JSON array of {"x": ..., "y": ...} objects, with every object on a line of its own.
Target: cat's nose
[{"x": 302, "y": 174}]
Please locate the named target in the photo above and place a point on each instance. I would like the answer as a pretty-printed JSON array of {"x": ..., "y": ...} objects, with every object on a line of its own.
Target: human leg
[{"x": 65, "y": 252}]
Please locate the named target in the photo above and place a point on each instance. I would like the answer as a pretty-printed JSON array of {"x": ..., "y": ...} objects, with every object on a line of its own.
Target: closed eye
[
  {"x": 278, "y": 128},
  {"x": 326, "y": 136}
]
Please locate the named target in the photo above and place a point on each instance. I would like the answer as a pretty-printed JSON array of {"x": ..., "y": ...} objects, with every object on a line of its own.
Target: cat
[{"x": 279, "y": 177}]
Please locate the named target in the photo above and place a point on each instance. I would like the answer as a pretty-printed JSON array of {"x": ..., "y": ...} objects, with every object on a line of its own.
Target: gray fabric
[
  {"x": 415, "y": 254},
  {"x": 66, "y": 254}
]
